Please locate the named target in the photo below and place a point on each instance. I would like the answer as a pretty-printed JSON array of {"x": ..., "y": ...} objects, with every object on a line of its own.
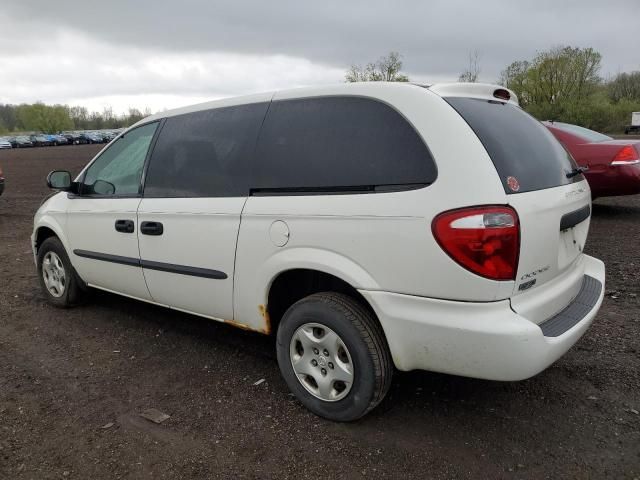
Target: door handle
[
  {"x": 125, "y": 226},
  {"x": 151, "y": 228}
]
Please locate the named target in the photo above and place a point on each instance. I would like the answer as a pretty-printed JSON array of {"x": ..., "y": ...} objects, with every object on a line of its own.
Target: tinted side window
[
  {"x": 118, "y": 170},
  {"x": 333, "y": 142},
  {"x": 205, "y": 154},
  {"x": 519, "y": 145}
]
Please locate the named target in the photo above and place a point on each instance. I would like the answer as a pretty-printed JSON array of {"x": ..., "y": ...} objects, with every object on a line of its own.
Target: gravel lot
[{"x": 73, "y": 383}]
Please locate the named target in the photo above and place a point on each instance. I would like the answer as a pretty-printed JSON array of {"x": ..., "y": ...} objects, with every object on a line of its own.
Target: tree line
[
  {"x": 561, "y": 84},
  {"x": 38, "y": 117}
]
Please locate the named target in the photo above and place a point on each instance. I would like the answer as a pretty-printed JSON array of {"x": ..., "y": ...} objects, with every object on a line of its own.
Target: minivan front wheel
[
  {"x": 58, "y": 279},
  {"x": 333, "y": 355}
]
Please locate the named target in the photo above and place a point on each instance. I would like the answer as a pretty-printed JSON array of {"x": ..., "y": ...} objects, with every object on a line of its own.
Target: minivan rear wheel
[
  {"x": 333, "y": 355},
  {"x": 58, "y": 279}
]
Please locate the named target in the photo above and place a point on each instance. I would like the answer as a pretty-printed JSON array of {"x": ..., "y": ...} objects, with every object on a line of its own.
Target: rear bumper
[{"x": 482, "y": 340}]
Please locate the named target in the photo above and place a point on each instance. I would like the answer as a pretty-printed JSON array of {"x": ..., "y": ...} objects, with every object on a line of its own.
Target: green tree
[
  {"x": 562, "y": 74},
  {"x": 8, "y": 117},
  {"x": 54, "y": 118},
  {"x": 44, "y": 118},
  {"x": 385, "y": 69},
  {"x": 563, "y": 84}
]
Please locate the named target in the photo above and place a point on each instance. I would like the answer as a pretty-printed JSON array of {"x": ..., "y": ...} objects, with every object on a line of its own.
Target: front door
[{"x": 102, "y": 218}]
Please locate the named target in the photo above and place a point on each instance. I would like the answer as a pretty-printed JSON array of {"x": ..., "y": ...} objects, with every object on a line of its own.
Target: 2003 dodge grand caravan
[{"x": 369, "y": 226}]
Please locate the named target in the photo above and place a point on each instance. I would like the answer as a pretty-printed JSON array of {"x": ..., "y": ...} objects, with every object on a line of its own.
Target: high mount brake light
[
  {"x": 625, "y": 156},
  {"x": 502, "y": 94},
  {"x": 484, "y": 240}
]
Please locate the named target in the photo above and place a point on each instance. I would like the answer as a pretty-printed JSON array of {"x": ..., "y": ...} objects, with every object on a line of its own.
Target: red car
[{"x": 614, "y": 165}]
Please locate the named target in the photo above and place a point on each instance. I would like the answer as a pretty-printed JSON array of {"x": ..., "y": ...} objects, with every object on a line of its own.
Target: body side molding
[{"x": 152, "y": 265}]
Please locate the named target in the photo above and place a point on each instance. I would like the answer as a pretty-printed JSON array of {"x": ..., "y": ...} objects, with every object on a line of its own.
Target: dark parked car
[
  {"x": 71, "y": 138},
  {"x": 40, "y": 141},
  {"x": 93, "y": 137},
  {"x": 57, "y": 140},
  {"x": 108, "y": 136},
  {"x": 75, "y": 138},
  {"x": 20, "y": 142},
  {"x": 1, "y": 181},
  {"x": 613, "y": 165}
]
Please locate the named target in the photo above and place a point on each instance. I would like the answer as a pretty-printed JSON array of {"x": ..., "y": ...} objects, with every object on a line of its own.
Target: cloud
[
  {"x": 152, "y": 50},
  {"x": 98, "y": 74}
]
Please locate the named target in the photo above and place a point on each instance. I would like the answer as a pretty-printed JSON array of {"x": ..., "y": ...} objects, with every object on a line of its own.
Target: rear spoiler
[{"x": 484, "y": 91}]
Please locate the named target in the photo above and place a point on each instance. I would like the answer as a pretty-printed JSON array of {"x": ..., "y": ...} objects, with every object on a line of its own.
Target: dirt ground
[{"x": 73, "y": 382}]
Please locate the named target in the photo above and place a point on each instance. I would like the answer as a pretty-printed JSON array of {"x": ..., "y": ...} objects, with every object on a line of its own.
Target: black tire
[
  {"x": 73, "y": 289},
  {"x": 362, "y": 335}
]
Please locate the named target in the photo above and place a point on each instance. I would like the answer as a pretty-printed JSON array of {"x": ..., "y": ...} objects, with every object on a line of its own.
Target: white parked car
[
  {"x": 369, "y": 226},
  {"x": 5, "y": 143}
]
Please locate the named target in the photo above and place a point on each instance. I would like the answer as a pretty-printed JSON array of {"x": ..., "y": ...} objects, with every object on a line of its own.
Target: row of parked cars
[{"x": 63, "y": 138}]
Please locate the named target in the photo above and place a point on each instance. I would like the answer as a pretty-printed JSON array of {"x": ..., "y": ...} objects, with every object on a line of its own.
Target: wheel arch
[
  {"x": 255, "y": 277},
  {"x": 293, "y": 284},
  {"x": 42, "y": 233},
  {"x": 46, "y": 227}
]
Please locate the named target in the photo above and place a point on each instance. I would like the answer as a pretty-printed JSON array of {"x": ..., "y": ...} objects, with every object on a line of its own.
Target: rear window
[
  {"x": 526, "y": 155},
  {"x": 582, "y": 132},
  {"x": 339, "y": 143}
]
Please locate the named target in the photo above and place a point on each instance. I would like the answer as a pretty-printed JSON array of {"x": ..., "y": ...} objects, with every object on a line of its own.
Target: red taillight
[
  {"x": 625, "y": 156},
  {"x": 484, "y": 240}
]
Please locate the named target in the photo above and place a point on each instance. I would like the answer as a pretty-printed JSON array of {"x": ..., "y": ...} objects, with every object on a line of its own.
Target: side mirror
[{"x": 59, "y": 180}]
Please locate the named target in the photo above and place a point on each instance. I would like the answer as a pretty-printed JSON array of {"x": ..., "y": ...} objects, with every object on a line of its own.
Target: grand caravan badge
[
  {"x": 535, "y": 273},
  {"x": 530, "y": 278}
]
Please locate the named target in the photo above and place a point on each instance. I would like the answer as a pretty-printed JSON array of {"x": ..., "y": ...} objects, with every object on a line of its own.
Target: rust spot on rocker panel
[
  {"x": 241, "y": 326},
  {"x": 267, "y": 322}
]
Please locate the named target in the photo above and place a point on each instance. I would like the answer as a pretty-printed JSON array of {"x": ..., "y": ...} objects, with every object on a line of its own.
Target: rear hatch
[{"x": 541, "y": 183}]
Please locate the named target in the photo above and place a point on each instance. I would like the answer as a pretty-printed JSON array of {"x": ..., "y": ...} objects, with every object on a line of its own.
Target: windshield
[{"x": 581, "y": 132}]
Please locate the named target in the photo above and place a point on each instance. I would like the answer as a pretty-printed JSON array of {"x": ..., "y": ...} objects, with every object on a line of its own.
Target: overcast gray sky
[{"x": 165, "y": 54}]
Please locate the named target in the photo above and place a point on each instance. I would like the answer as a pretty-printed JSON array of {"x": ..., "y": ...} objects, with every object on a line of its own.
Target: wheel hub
[
  {"x": 53, "y": 274},
  {"x": 321, "y": 362}
]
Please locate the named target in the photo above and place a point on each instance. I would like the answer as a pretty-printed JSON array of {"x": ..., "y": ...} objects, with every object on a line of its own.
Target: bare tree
[
  {"x": 472, "y": 72},
  {"x": 625, "y": 86},
  {"x": 386, "y": 69}
]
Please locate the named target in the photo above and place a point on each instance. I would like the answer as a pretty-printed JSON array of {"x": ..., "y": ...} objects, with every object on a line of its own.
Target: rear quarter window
[
  {"x": 339, "y": 142},
  {"x": 519, "y": 145}
]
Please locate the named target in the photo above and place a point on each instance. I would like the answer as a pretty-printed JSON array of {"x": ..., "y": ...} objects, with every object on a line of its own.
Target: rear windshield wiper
[{"x": 576, "y": 171}]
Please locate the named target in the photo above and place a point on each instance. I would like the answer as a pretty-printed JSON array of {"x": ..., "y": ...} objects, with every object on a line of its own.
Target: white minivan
[{"x": 370, "y": 226}]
